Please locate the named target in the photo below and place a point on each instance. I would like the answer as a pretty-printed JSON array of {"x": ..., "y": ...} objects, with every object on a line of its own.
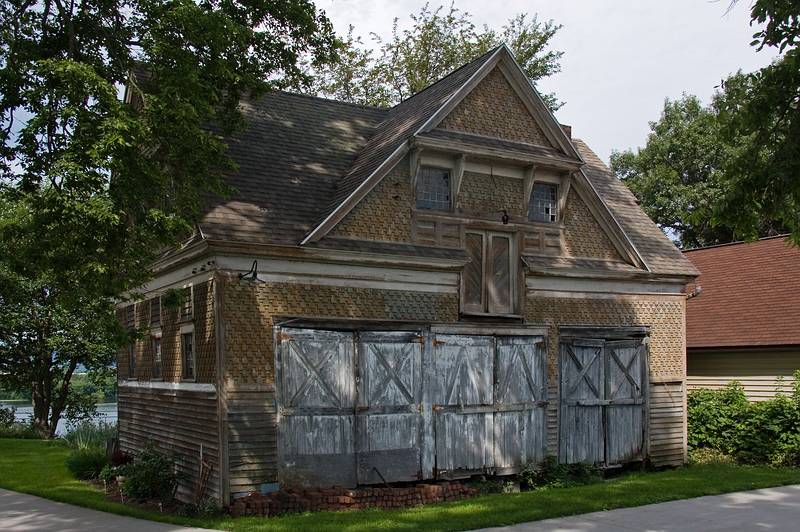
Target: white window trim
[
  {"x": 155, "y": 334},
  {"x": 564, "y": 183},
  {"x": 188, "y": 329}
]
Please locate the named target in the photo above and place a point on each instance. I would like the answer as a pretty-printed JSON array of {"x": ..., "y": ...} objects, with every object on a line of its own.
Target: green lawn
[{"x": 37, "y": 467}]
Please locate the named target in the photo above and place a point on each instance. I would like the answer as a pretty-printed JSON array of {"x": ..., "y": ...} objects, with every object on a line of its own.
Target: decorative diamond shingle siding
[
  {"x": 493, "y": 109},
  {"x": 583, "y": 236},
  {"x": 385, "y": 213},
  {"x": 251, "y": 311},
  {"x": 488, "y": 195},
  {"x": 664, "y": 316}
]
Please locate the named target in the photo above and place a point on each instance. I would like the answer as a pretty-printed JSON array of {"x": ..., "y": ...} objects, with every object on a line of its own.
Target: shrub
[
  {"x": 706, "y": 455},
  {"x": 119, "y": 458},
  {"x": 765, "y": 432},
  {"x": 7, "y": 416},
  {"x": 151, "y": 475},
  {"x": 88, "y": 435},
  {"x": 11, "y": 428},
  {"x": 551, "y": 474},
  {"x": 86, "y": 464}
]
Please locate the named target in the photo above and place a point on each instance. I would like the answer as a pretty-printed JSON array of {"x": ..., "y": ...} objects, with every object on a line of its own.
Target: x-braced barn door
[
  {"x": 316, "y": 394},
  {"x": 602, "y": 394},
  {"x": 388, "y": 411}
]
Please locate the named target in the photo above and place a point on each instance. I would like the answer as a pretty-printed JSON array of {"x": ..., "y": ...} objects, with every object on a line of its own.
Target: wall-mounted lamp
[
  {"x": 252, "y": 275},
  {"x": 695, "y": 292},
  {"x": 505, "y": 218}
]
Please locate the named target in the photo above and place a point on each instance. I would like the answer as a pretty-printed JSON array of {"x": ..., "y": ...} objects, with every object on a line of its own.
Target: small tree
[{"x": 437, "y": 42}]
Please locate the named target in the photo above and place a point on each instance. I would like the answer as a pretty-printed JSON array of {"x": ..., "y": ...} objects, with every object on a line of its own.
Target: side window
[
  {"x": 157, "y": 372},
  {"x": 187, "y": 310},
  {"x": 487, "y": 283},
  {"x": 433, "y": 189},
  {"x": 543, "y": 203},
  {"x": 132, "y": 361},
  {"x": 187, "y": 355},
  {"x": 155, "y": 312}
]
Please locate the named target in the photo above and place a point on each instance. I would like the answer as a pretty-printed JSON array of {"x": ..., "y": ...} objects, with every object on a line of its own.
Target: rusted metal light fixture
[{"x": 251, "y": 277}]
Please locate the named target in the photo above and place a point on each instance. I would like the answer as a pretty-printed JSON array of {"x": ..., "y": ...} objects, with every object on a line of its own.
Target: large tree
[
  {"x": 91, "y": 186},
  {"x": 437, "y": 42},
  {"x": 677, "y": 174},
  {"x": 762, "y": 179}
]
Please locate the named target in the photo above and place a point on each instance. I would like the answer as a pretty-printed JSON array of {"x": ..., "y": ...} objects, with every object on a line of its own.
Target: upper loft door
[{"x": 488, "y": 281}]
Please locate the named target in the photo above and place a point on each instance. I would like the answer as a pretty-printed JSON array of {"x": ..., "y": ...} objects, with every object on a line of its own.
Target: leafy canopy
[
  {"x": 437, "y": 42},
  {"x": 91, "y": 187}
]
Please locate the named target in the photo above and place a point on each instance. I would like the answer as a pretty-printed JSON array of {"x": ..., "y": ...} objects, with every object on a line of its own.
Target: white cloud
[{"x": 622, "y": 58}]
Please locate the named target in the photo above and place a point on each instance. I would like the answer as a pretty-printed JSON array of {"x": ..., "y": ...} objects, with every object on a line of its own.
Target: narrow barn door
[
  {"x": 520, "y": 399},
  {"x": 316, "y": 403},
  {"x": 388, "y": 412},
  {"x": 581, "y": 428},
  {"x": 626, "y": 380},
  {"x": 462, "y": 392}
]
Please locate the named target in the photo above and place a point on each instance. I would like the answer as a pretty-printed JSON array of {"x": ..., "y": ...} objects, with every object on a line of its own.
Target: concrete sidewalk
[
  {"x": 773, "y": 509},
  {"x": 25, "y": 513}
]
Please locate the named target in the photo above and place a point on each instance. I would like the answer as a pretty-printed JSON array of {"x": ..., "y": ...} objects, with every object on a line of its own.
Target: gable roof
[
  {"x": 750, "y": 293},
  {"x": 301, "y": 159}
]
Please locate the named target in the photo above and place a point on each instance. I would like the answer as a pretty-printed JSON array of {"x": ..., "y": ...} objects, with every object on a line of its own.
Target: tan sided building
[
  {"x": 447, "y": 287},
  {"x": 745, "y": 324}
]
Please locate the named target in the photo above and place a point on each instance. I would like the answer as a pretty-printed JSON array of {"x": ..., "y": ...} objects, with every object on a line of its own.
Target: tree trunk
[{"x": 41, "y": 408}]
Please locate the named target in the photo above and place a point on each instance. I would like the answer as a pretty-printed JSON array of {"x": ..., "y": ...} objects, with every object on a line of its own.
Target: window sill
[{"x": 491, "y": 315}]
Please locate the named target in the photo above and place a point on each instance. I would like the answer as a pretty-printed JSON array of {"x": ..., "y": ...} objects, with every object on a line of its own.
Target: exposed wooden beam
[
  {"x": 458, "y": 175},
  {"x": 530, "y": 173}
]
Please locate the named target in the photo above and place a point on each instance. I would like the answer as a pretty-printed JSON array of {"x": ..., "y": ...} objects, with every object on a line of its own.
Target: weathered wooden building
[
  {"x": 453, "y": 285},
  {"x": 745, "y": 324}
]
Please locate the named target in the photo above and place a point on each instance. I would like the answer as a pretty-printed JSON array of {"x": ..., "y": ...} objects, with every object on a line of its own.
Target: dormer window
[
  {"x": 433, "y": 189},
  {"x": 543, "y": 204}
]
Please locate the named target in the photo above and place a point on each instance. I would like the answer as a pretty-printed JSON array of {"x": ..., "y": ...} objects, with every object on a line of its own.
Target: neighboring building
[
  {"x": 745, "y": 324},
  {"x": 446, "y": 287}
]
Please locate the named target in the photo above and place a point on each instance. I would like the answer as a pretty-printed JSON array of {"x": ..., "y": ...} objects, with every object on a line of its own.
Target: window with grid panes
[
  {"x": 187, "y": 355},
  {"x": 433, "y": 189},
  {"x": 155, "y": 312},
  {"x": 156, "y": 357},
  {"x": 543, "y": 204}
]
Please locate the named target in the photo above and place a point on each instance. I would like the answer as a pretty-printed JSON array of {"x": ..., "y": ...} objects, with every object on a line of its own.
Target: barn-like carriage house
[{"x": 448, "y": 287}]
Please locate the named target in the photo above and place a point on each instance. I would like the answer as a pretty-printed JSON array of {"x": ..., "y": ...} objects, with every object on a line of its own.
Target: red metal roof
[{"x": 750, "y": 295}]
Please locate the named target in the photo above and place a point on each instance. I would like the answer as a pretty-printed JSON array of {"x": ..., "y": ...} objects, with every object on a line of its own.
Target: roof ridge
[
  {"x": 736, "y": 243},
  {"x": 331, "y": 100},
  {"x": 468, "y": 63}
]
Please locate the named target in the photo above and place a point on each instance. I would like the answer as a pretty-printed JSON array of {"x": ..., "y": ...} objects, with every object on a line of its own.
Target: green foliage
[
  {"x": 679, "y": 175},
  {"x": 551, "y": 474},
  {"x": 151, "y": 475},
  {"x": 763, "y": 107},
  {"x": 94, "y": 184},
  {"x": 88, "y": 435},
  {"x": 11, "y": 428},
  {"x": 708, "y": 456},
  {"x": 438, "y": 41},
  {"x": 762, "y": 432},
  {"x": 7, "y": 416},
  {"x": 87, "y": 463}
]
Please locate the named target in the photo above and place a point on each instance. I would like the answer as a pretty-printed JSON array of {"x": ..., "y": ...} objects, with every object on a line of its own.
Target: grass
[{"x": 37, "y": 467}]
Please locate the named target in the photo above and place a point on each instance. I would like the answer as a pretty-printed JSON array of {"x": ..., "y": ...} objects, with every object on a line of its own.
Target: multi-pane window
[
  {"x": 155, "y": 312},
  {"x": 187, "y": 355},
  {"x": 187, "y": 308},
  {"x": 156, "y": 357},
  {"x": 543, "y": 205},
  {"x": 433, "y": 189},
  {"x": 130, "y": 316},
  {"x": 131, "y": 361}
]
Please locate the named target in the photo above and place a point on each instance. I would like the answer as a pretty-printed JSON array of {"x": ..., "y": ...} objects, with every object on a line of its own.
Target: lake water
[{"x": 106, "y": 412}]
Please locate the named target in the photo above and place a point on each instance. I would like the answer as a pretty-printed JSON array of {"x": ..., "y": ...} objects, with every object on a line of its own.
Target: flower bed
[{"x": 339, "y": 498}]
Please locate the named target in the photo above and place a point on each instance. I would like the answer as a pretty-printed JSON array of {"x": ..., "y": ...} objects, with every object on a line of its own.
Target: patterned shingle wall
[
  {"x": 664, "y": 316},
  {"x": 249, "y": 312},
  {"x": 583, "y": 236},
  {"x": 204, "y": 332},
  {"x": 485, "y": 194},
  {"x": 385, "y": 213},
  {"x": 493, "y": 109}
]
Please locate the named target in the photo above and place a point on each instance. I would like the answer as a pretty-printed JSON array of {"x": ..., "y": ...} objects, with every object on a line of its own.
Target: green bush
[
  {"x": 764, "y": 432},
  {"x": 551, "y": 474},
  {"x": 151, "y": 475},
  {"x": 88, "y": 435},
  {"x": 86, "y": 464}
]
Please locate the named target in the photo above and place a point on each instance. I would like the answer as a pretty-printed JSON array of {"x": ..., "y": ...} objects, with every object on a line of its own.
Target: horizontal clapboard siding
[
  {"x": 667, "y": 423},
  {"x": 762, "y": 372},
  {"x": 252, "y": 437},
  {"x": 178, "y": 422}
]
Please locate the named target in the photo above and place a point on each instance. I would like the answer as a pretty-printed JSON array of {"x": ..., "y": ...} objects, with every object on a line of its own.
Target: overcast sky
[{"x": 622, "y": 58}]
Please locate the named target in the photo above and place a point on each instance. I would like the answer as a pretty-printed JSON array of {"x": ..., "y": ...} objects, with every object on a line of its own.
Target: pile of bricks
[{"x": 339, "y": 498}]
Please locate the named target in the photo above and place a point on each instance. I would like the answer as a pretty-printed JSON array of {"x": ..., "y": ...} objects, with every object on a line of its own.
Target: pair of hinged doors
[
  {"x": 603, "y": 398},
  {"x": 368, "y": 407}
]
